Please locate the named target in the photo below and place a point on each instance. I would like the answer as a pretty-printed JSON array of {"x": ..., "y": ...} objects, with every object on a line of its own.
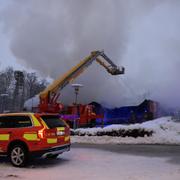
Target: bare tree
[
  {"x": 34, "y": 85},
  {"x": 18, "y": 86}
]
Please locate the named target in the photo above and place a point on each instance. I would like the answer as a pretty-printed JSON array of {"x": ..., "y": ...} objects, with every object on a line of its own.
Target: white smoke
[
  {"x": 152, "y": 58},
  {"x": 143, "y": 36}
]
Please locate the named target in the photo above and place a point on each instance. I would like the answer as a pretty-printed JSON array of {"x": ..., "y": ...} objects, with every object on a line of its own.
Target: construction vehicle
[{"x": 49, "y": 97}]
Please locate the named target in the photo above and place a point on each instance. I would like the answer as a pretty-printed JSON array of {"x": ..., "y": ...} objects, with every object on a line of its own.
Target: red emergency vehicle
[{"x": 38, "y": 134}]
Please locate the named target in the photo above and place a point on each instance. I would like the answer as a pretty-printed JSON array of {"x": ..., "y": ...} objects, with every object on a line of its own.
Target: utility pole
[{"x": 76, "y": 91}]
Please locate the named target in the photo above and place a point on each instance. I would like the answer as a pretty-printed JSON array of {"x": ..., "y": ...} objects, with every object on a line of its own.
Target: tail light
[{"x": 41, "y": 133}]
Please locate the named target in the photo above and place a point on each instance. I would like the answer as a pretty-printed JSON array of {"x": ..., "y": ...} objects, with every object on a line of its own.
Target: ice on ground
[{"x": 165, "y": 131}]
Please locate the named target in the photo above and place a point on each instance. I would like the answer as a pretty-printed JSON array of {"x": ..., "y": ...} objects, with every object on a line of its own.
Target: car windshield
[{"x": 53, "y": 121}]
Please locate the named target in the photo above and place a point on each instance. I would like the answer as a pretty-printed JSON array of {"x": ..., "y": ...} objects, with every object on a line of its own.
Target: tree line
[{"x": 18, "y": 86}]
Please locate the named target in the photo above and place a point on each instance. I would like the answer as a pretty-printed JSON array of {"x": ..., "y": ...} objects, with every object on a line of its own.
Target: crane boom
[{"x": 49, "y": 96}]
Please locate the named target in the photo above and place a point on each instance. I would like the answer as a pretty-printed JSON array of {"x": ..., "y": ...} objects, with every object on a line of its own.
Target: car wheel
[{"x": 18, "y": 156}]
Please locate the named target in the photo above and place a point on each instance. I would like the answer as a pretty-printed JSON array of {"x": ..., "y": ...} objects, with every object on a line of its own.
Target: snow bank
[{"x": 159, "y": 131}]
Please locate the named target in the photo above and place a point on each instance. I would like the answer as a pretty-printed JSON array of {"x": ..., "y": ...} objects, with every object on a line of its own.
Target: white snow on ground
[
  {"x": 166, "y": 131},
  {"x": 92, "y": 164}
]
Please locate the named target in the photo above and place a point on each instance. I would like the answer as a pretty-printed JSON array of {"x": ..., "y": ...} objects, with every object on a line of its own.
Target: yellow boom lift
[{"x": 49, "y": 97}]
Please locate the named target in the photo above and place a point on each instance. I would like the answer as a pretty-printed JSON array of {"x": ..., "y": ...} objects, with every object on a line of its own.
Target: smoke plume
[{"x": 143, "y": 36}]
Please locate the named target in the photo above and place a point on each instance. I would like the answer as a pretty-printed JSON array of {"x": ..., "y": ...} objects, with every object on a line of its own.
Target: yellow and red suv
[{"x": 25, "y": 134}]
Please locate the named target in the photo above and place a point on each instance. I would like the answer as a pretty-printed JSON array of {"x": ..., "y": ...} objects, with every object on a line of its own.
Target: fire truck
[{"x": 83, "y": 114}]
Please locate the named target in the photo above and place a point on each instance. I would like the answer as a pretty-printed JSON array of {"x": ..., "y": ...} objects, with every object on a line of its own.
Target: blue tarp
[{"x": 122, "y": 115}]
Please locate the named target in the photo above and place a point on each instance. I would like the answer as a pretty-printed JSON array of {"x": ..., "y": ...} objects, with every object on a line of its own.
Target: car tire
[{"x": 18, "y": 156}]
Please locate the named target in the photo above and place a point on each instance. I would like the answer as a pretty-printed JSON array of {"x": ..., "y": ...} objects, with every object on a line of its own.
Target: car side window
[
  {"x": 15, "y": 121},
  {"x": 5, "y": 123}
]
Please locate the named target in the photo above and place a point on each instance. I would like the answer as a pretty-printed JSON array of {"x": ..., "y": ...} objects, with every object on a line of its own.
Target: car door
[{"x": 5, "y": 133}]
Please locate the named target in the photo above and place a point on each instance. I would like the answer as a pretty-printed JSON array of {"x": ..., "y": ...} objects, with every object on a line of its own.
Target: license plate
[{"x": 60, "y": 133}]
